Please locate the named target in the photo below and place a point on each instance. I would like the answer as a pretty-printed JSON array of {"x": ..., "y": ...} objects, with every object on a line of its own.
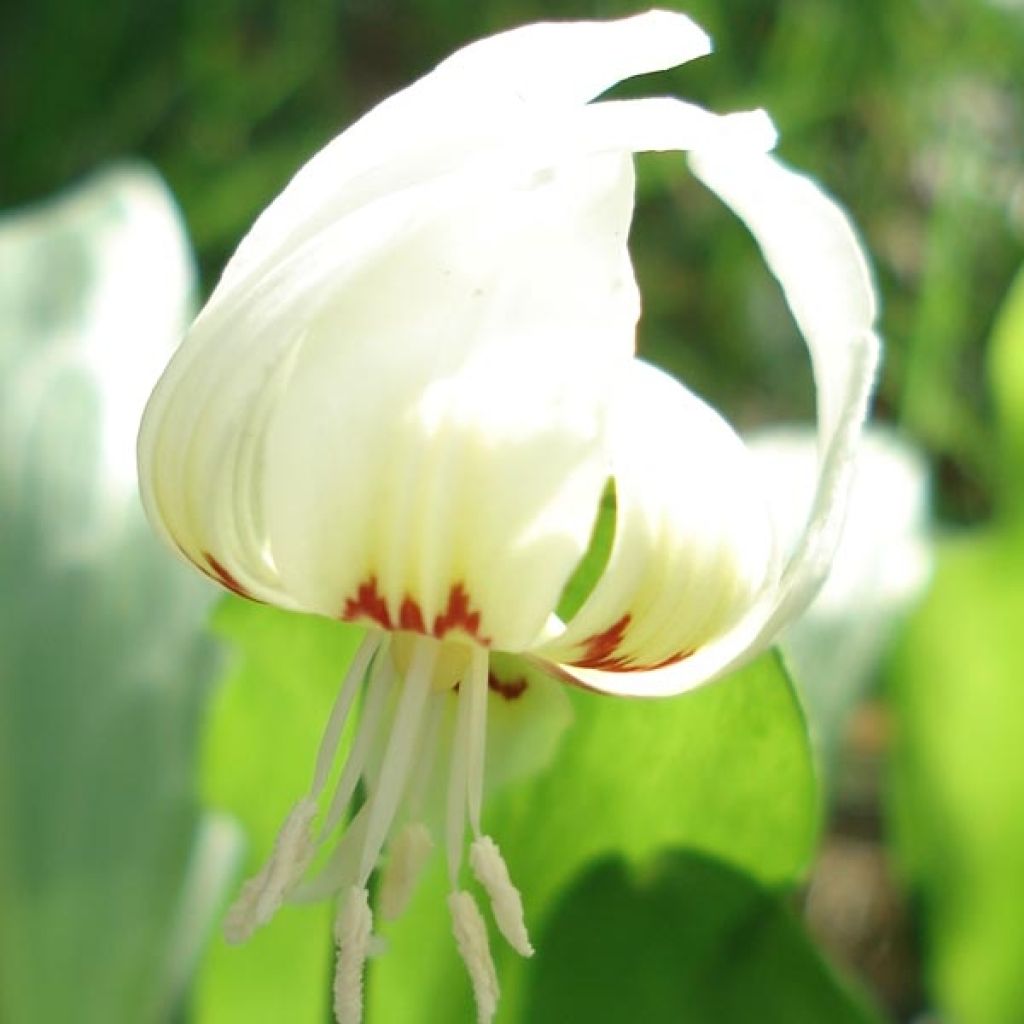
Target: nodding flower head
[{"x": 414, "y": 393}]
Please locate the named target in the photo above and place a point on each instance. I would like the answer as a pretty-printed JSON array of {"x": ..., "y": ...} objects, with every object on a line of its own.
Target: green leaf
[
  {"x": 260, "y": 748},
  {"x": 957, "y": 784},
  {"x": 725, "y": 771},
  {"x": 103, "y": 654},
  {"x": 690, "y": 941}
]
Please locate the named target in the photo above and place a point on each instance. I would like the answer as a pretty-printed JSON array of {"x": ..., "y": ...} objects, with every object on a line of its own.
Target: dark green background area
[{"x": 690, "y": 942}]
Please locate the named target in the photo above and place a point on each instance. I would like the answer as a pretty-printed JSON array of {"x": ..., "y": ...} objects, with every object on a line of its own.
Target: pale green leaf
[
  {"x": 102, "y": 656},
  {"x": 958, "y": 776}
]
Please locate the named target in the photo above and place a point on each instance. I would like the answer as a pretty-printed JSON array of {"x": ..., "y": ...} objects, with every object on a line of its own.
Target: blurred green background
[{"x": 895, "y": 893}]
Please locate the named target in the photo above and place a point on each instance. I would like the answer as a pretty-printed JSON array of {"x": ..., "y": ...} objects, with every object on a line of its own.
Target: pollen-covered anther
[
  {"x": 471, "y": 940},
  {"x": 353, "y": 933},
  {"x": 409, "y": 854},
  {"x": 507, "y": 905},
  {"x": 263, "y": 894}
]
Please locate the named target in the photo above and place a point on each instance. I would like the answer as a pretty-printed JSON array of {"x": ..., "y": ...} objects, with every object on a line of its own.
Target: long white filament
[
  {"x": 394, "y": 773},
  {"x": 426, "y": 757},
  {"x": 340, "y": 869},
  {"x": 376, "y": 695},
  {"x": 456, "y": 804},
  {"x": 476, "y": 739},
  {"x": 342, "y": 705},
  {"x": 262, "y": 895}
]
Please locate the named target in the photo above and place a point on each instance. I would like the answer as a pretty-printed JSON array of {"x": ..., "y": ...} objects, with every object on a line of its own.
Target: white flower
[{"x": 411, "y": 388}]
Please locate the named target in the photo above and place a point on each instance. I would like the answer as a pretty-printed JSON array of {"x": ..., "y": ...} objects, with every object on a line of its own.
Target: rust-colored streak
[
  {"x": 601, "y": 651},
  {"x": 367, "y": 604},
  {"x": 223, "y": 577},
  {"x": 410, "y": 617},
  {"x": 459, "y": 615},
  {"x": 672, "y": 659},
  {"x": 510, "y": 690}
]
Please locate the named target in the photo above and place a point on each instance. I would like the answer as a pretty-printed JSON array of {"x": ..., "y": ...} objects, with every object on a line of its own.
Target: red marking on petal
[
  {"x": 599, "y": 651},
  {"x": 672, "y": 659},
  {"x": 459, "y": 615},
  {"x": 223, "y": 577},
  {"x": 510, "y": 690},
  {"x": 411, "y": 617},
  {"x": 367, "y": 604}
]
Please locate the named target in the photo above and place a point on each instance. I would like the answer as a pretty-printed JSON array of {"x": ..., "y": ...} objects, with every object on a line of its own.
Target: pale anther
[
  {"x": 264, "y": 893},
  {"x": 409, "y": 854},
  {"x": 353, "y": 933},
  {"x": 471, "y": 940},
  {"x": 492, "y": 873}
]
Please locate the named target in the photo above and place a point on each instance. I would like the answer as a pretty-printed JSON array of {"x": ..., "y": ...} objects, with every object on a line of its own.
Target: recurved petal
[
  {"x": 402, "y": 424},
  {"x": 475, "y": 100},
  {"x": 811, "y": 248},
  {"x": 693, "y": 544}
]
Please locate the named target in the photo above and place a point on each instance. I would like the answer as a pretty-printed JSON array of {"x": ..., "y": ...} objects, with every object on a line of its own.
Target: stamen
[
  {"x": 426, "y": 757},
  {"x": 409, "y": 855},
  {"x": 339, "y": 871},
  {"x": 380, "y": 682},
  {"x": 476, "y": 684},
  {"x": 394, "y": 773},
  {"x": 471, "y": 939},
  {"x": 261, "y": 896},
  {"x": 342, "y": 705},
  {"x": 506, "y": 903},
  {"x": 456, "y": 806},
  {"x": 353, "y": 933}
]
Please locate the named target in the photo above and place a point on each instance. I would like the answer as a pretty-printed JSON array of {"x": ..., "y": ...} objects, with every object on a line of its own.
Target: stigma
[{"x": 414, "y": 774}]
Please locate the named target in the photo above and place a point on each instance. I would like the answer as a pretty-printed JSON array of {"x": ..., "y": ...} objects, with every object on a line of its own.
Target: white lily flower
[{"x": 411, "y": 388}]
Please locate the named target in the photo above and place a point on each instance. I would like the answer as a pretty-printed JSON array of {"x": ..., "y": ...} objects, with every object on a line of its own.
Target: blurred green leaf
[
  {"x": 1006, "y": 365},
  {"x": 958, "y": 775},
  {"x": 690, "y": 941},
  {"x": 725, "y": 771},
  {"x": 103, "y": 658},
  {"x": 260, "y": 746}
]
